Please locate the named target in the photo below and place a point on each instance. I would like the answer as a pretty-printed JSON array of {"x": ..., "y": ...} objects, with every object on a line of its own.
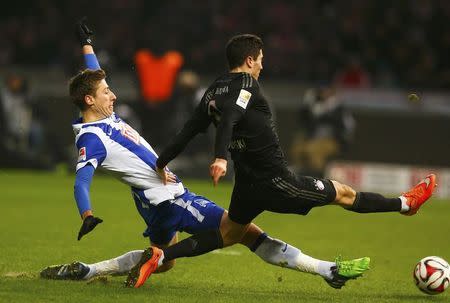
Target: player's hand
[
  {"x": 83, "y": 33},
  {"x": 166, "y": 175},
  {"x": 218, "y": 169},
  {"x": 89, "y": 223}
]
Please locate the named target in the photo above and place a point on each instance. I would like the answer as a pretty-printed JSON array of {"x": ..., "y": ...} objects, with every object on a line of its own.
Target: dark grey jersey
[{"x": 241, "y": 114}]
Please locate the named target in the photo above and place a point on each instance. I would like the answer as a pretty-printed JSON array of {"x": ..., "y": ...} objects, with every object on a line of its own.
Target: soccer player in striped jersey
[
  {"x": 235, "y": 104},
  {"x": 105, "y": 140}
]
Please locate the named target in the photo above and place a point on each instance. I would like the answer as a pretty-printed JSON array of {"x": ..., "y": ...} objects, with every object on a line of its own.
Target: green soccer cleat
[
  {"x": 346, "y": 270},
  {"x": 73, "y": 271}
]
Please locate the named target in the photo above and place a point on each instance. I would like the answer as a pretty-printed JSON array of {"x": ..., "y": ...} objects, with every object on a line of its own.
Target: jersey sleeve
[
  {"x": 198, "y": 122},
  {"x": 91, "y": 62},
  {"x": 91, "y": 150},
  {"x": 233, "y": 110},
  {"x": 82, "y": 186}
]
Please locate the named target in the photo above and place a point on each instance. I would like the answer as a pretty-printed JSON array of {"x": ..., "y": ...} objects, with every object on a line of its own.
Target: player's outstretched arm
[
  {"x": 82, "y": 185},
  {"x": 84, "y": 36}
]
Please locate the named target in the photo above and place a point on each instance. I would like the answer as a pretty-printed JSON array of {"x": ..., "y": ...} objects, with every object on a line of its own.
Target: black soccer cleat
[
  {"x": 338, "y": 281},
  {"x": 73, "y": 271},
  {"x": 347, "y": 270}
]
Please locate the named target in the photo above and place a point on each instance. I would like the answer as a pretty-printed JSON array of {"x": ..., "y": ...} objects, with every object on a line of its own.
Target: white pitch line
[{"x": 227, "y": 252}]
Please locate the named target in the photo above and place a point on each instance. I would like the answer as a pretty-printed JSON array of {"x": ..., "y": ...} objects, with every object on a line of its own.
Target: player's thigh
[
  {"x": 245, "y": 202},
  {"x": 162, "y": 220},
  {"x": 233, "y": 232},
  {"x": 252, "y": 234},
  {"x": 297, "y": 194},
  {"x": 199, "y": 213}
]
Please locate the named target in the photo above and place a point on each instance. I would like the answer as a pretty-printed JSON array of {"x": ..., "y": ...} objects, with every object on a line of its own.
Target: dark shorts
[{"x": 286, "y": 193}]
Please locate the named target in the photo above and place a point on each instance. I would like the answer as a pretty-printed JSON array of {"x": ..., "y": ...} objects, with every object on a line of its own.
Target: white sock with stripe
[
  {"x": 119, "y": 265},
  {"x": 281, "y": 254}
]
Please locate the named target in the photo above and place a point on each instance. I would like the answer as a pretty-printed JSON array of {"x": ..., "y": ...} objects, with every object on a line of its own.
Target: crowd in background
[{"x": 402, "y": 43}]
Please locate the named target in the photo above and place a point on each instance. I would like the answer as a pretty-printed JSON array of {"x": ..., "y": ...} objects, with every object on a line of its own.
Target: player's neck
[
  {"x": 241, "y": 69},
  {"x": 91, "y": 116}
]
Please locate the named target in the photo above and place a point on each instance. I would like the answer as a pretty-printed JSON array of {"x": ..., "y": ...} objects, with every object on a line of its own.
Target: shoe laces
[
  {"x": 343, "y": 266},
  {"x": 339, "y": 263},
  {"x": 415, "y": 192}
]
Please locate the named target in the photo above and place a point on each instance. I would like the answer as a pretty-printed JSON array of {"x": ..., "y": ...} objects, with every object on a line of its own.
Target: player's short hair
[
  {"x": 84, "y": 83},
  {"x": 240, "y": 47}
]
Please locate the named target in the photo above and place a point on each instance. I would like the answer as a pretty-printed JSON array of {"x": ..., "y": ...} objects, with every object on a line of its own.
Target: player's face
[
  {"x": 257, "y": 65},
  {"x": 103, "y": 102}
]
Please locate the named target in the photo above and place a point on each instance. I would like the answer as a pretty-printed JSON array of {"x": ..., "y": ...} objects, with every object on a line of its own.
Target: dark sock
[
  {"x": 258, "y": 242},
  {"x": 195, "y": 245},
  {"x": 375, "y": 203}
]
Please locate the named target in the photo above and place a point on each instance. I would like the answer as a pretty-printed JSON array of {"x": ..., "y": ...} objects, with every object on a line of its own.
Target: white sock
[
  {"x": 405, "y": 206},
  {"x": 279, "y": 253},
  {"x": 118, "y": 265},
  {"x": 160, "y": 261}
]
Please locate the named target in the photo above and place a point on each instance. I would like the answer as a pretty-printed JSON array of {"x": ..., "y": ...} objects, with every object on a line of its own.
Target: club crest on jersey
[
  {"x": 319, "y": 184},
  {"x": 82, "y": 154},
  {"x": 244, "y": 97},
  {"x": 128, "y": 132}
]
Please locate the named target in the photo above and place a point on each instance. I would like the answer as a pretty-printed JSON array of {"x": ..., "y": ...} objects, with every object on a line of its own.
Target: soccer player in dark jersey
[{"x": 235, "y": 105}]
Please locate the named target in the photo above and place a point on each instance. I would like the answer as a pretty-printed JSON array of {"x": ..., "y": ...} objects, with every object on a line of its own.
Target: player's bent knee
[
  {"x": 166, "y": 266},
  {"x": 231, "y": 231},
  {"x": 345, "y": 195},
  {"x": 232, "y": 237}
]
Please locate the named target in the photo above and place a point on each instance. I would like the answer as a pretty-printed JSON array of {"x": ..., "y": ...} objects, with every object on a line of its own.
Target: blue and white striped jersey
[{"x": 120, "y": 150}]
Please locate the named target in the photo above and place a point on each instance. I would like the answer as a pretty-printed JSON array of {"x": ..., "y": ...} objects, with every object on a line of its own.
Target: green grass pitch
[{"x": 39, "y": 225}]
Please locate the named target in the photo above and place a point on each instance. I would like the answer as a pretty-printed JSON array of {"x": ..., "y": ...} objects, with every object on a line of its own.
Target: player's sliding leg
[
  {"x": 365, "y": 202},
  {"x": 81, "y": 271},
  {"x": 154, "y": 257},
  {"x": 116, "y": 266},
  {"x": 272, "y": 251},
  {"x": 232, "y": 232},
  {"x": 199, "y": 243},
  {"x": 279, "y": 253}
]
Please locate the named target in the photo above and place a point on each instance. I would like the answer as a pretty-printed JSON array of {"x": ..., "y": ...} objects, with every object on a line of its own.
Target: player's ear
[
  {"x": 249, "y": 61},
  {"x": 89, "y": 100}
]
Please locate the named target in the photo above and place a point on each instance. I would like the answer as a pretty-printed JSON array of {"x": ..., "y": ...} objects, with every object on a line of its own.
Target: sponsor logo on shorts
[
  {"x": 82, "y": 154},
  {"x": 319, "y": 184},
  {"x": 201, "y": 202}
]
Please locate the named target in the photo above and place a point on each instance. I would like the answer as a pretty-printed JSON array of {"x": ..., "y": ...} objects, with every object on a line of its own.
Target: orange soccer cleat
[
  {"x": 419, "y": 194},
  {"x": 145, "y": 267}
]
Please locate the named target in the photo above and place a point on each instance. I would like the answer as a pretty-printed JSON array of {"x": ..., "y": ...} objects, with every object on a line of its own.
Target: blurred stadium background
[{"x": 372, "y": 54}]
